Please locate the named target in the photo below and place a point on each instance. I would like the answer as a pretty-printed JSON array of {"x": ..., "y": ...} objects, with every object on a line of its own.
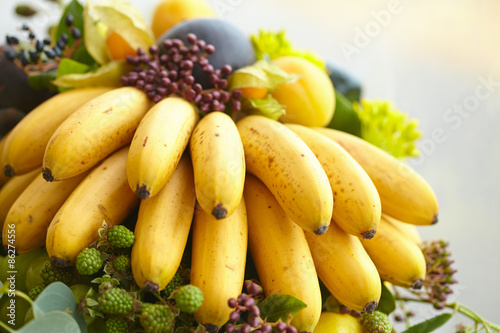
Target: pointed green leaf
[
  {"x": 107, "y": 75},
  {"x": 387, "y": 303},
  {"x": 54, "y": 322},
  {"x": 430, "y": 324},
  {"x": 275, "y": 307},
  {"x": 76, "y": 10},
  {"x": 58, "y": 297}
]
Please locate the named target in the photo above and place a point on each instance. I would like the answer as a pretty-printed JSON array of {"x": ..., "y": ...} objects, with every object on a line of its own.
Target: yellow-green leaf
[
  {"x": 262, "y": 74},
  {"x": 107, "y": 75},
  {"x": 95, "y": 37}
]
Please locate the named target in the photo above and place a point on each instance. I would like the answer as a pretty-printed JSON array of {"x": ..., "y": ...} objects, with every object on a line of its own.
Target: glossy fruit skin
[
  {"x": 332, "y": 322},
  {"x": 170, "y": 12},
  {"x": 309, "y": 101},
  {"x": 232, "y": 45}
]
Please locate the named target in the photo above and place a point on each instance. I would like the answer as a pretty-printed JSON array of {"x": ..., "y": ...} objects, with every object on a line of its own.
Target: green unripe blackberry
[
  {"x": 50, "y": 273},
  {"x": 188, "y": 298},
  {"x": 176, "y": 281},
  {"x": 116, "y": 301},
  {"x": 116, "y": 325},
  {"x": 377, "y": 322},
  {"x": 122, "y": 263},
  {"x": 121, "y": 237},
  {"x": 157, "y": 318},
  {"x": 89, "y": 261},
  {"x": 35, "y": 291}
]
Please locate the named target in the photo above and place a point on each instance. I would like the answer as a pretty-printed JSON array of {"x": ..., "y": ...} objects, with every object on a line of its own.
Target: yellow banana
[
  {"x": 94, "y": 131},
  {"x": 404, "y": 194},
  {"x": 35, "y": 208},
  {"x": 332, "y": 322},
  {"x": 103, "y": 195},
  {"x": 397, "y": 258},
  {"x": 27, "y": 140},
  {"x": 281, "y": 254},
  {"x": 12, "y": 190},
  {"x": 357, "y": 206},
  {"x": 162, "y": 229},
  {"x": 218, "y": 263},
  {"x": 279, "y": 158},
  {"x": 158, "y": 144},
  {"x": 219, "y": 164},
  {"x": 346, "y": 269},
  {"x": 410, "y": 230}
]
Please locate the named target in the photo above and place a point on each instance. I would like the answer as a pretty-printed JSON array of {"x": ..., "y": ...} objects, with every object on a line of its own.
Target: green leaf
[
  {"x": 69, "y": 66},
  {"x": 43, "y": 80},
  {"x": 430, "y": 324},
  {"x": 387, "y": 303},
  {"x": 54, "y": 322},
  {"x": 58, "y": 297},
  {"x": 262, "y": 74},
  {"x": 267, "y": 107},
  {"x": 76, "y": 9},
  {"x": 119, "y": 16},
  {"x": 345, "y": 117},
  {"x": 275, "y": 307},
  {"x": 271, "y": 45},
  {"x": 107, "y": 75}
]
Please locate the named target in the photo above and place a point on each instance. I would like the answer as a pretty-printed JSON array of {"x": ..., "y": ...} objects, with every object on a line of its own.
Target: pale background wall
[{"x": 431, "y": 58}]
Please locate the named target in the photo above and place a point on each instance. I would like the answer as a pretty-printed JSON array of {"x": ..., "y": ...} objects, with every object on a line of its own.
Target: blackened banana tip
[
  {"x": 417, "y": 284},
  {"x": 321, "y": 230},
  {"x": 47, "y": 175},
  {"x": 8, "y": 171},
  {"x": 435, "y": 219},
  {"x": 370, "y": 307},
  {"x": 219, "y": 212},
  {"x": 59, "y": 262},
  {"x": 142, "y": 192},
  {"x": 368, "y": 234},
  {"x": 150, "y": 287}
]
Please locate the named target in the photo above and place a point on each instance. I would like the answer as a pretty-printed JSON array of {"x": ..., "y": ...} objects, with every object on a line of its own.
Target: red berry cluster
[
  {"x": 245, "y": 307},
  {"x": 440, "y": 273},
  {"x": 171, "y": 73}
]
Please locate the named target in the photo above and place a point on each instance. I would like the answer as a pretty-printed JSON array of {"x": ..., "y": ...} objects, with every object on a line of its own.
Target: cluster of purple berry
[
  {"x": 245, "y": 307},
  {"x": 31, "y": 57},
  {"x": 161, "y": 74},
  {"x": 439, "y": 275}
]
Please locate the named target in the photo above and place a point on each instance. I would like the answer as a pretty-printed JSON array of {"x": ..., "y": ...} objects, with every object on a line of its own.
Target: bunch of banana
[{"x": 313, "y": 203}]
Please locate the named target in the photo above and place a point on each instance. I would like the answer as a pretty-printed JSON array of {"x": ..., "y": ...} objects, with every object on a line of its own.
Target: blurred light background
[{"x": 439, "y": 61}]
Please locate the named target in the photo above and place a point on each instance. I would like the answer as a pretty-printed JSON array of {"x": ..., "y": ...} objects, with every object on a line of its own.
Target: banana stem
[
  {"x": 464, "y": 310},
  {"x": 6, "y": 327}
]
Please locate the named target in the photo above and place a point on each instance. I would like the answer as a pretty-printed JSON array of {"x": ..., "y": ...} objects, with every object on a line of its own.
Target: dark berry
[
  {"x": 75, "y": 32},
  {"x": 68, "y": 20}
]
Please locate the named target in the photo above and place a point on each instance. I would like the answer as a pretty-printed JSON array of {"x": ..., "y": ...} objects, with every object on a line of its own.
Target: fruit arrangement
[{"x": 207, "y": 181}]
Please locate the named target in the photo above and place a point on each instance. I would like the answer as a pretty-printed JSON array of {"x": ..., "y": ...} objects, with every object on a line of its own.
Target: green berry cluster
[
  {"x": 35, "y": 291},
  {"x": 115, "y": 301},
  {"x": 122, "y": 263},
  {"x": 157, "y": 318},
  {"x": 188, "y": 298},
  {"x": 176, "y": 281},
  {"x": 50, "y": 273},
  {"x": 89, "y": 261},
  {"x": 121, "y": 237},
  {"x": 116, "y": 325},
  {"x": 377, "y": 322}
]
